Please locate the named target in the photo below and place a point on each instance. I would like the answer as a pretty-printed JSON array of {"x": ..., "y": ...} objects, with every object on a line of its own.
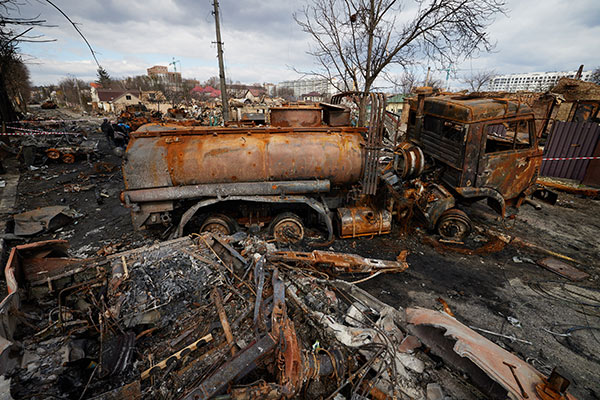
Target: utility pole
[
  {"x": 221, "y": 66},
  {"x": 79, "y": 94}
]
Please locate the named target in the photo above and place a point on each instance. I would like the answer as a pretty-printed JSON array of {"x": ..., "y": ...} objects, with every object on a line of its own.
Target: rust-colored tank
[{"x": 169, "y": 155}]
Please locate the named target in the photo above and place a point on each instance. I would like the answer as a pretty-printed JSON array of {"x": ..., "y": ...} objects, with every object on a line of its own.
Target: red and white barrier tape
[
  {"x": 33, "y": 132},
  {"x": 48, "y": 121},
  {"x": 570, "y": 158},
  {"x": 36, "y": 133}
]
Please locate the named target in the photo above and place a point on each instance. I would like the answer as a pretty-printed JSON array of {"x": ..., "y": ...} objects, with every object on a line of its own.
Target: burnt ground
[{"x": 560, "y": 318}]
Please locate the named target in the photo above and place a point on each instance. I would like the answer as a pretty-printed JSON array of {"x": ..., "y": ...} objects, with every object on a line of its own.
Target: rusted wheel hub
[
  {"x": 53, "y": 154},
  {"x": 218, "y": 223},
  {"x": 454, "y": 224},
  {"x": 287, "y": 228},
  {"x": 68, "y": 158}
]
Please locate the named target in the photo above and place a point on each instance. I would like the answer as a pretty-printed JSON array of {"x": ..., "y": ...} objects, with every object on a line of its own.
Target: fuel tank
[{"x": 161, "y": 155}]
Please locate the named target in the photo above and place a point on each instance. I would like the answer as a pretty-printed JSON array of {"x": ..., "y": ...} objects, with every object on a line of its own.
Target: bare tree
[
  {"x": 404, "y": 83},
  {"x": 14, "y": 29},
  {"x": 477, "y": 80},
  {"x": 357, "y": 40},
  {"x": 73, "y": 92}
]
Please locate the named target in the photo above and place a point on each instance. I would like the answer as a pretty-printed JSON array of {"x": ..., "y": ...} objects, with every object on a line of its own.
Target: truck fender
[
  {"x": 317, "y": 206},
  {"x": 495, "y": 199}
]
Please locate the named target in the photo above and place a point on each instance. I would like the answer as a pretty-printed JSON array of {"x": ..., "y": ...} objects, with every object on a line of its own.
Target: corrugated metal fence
[{"x": 570, "y": 140}]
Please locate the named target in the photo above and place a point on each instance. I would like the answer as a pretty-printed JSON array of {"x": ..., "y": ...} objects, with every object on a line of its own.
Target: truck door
[{"x": 510, "y": 158}]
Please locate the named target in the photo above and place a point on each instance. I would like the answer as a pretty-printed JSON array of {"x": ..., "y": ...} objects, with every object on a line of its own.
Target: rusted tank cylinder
[{"x": 161, "y": 159}]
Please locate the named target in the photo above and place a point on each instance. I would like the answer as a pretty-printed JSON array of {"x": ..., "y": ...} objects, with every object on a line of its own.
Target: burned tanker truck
[{"x": 310, "y": 168}]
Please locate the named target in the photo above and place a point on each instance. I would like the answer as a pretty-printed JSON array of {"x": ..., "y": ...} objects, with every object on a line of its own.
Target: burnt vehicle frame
[
  {"x": 311, "y": 165},
  {"x": 308, "y": 165}
]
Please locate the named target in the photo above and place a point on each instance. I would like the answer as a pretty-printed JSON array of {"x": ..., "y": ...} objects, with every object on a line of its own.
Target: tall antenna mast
[{"x": 221, "y": 66}]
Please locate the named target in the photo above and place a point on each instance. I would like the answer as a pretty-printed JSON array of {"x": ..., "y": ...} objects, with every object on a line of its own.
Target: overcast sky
[{"x": 262, "y": 41}]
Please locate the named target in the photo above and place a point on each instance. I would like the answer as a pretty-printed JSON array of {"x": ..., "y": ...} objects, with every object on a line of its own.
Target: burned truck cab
[{"x": 482, "y": 148}]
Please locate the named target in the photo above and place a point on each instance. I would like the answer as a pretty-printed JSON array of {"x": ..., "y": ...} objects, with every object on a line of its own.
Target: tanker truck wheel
[
  {"x": 218, "y": 223},
  {"x": 454, "y": 224},
  {"x": 287, "y": 228}
]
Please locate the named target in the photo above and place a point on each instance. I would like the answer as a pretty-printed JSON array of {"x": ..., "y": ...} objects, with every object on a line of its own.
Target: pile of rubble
[{"x": 231, "y": 316}]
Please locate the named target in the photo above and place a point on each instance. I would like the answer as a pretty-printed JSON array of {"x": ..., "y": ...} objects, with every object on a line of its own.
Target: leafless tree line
[{"x": 356, "y": 41}]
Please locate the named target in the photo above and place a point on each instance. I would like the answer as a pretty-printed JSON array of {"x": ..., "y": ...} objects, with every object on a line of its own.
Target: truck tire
[
  {"x": 218, "y": 223},
  {"x": 287, "y": 228}
]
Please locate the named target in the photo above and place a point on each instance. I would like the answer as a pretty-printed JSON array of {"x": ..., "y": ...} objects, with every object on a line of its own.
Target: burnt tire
[
  {"x": 287, "y": 228},
  {"x": 454, "y": 224},
  {"x": 218, "y": 223}
]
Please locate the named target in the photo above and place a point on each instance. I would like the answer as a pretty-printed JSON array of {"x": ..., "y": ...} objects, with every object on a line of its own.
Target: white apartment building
[
  {"x": 304, "y": 86},
  {"x": 533, "y": 81}
]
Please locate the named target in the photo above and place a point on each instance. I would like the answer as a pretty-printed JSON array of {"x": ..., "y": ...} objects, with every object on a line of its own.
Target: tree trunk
[{"x": 7, "y": 112}]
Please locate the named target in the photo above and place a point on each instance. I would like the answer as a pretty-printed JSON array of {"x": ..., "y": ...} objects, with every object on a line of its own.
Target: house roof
[
  {"x": 257, "y": 91},
  {"x": 211, "y": 91},
  {"x": 312, "y": 94},
  {"x": 133, "y": 93},
  {"x": 112, "y": 94}
]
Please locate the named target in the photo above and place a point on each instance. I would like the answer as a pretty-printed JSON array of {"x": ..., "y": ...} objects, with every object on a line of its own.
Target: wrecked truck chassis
[{"x": 310, "y": 151}]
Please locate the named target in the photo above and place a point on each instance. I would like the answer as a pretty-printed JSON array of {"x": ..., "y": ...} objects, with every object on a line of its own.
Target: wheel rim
[
  {"x": 68, "y": 158},
  {"x": 216, "y": 225},
  {"x": 454, "y": 225},
  {"x": 288, "y": 230},
  {"x": 53, "y": 154}
]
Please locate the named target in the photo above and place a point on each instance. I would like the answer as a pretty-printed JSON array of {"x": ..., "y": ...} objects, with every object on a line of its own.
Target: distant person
[
  {"x": 109, "y": 131},
  {"x": 121, "y": 134}
]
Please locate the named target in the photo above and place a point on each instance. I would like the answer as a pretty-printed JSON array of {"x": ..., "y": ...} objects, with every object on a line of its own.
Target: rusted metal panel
[
  {"x": 296, "y": 116},
  {"x": 244, "y": 156},
  {"x": 339, "y": 263},
  {"x": 514, "y": 375},
  {"x": 570, "y": 140},
  {"x": 467, "y": 109},
  {"x": 335, "y": 115},
  {"x": 40, "y": 262},
  {"x": 563, "y": 269}
]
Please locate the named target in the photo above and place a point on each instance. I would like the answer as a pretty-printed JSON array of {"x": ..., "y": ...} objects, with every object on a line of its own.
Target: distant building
[
  {"x": 313, "y": 96},
  {"x": 395, "y": 104},
  {"x": 533, "y": 81},
  {"x": 112, "y": 100},
  {"x": 163, "y": 75},
  {"x": 239, "y": 91},
  {"x": 271, "y": 89},
  {"x": 303, "y": 86}
]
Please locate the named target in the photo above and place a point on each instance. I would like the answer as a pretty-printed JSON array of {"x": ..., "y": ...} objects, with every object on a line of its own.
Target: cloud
[{"x": 262, "y": 41}]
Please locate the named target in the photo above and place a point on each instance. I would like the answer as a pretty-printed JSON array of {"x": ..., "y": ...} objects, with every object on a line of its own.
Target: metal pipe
[{"x": 224, "y": 189}]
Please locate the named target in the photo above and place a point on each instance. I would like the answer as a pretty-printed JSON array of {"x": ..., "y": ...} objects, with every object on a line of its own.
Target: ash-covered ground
[{"x": 503, "y": 292}]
